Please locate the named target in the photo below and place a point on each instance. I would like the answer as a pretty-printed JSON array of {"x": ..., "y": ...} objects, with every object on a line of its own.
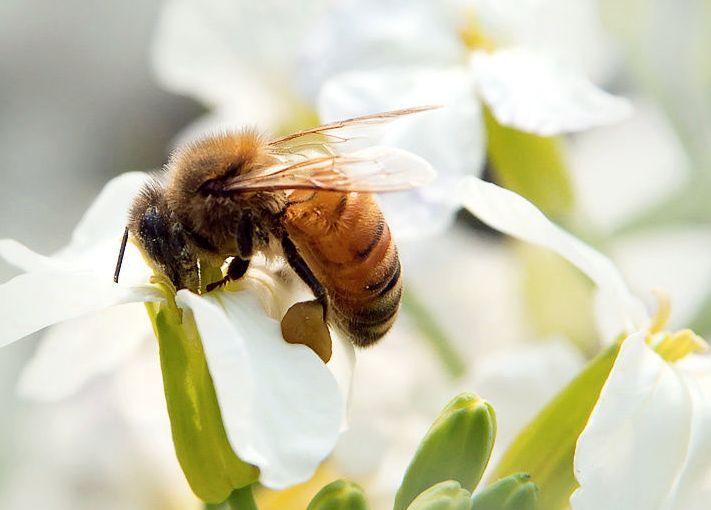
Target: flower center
[
  {"x": 471, "y": 33},
  {"x": 672, "y": 346}
]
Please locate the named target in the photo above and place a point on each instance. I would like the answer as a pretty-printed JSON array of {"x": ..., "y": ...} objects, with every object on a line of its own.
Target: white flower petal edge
[
  {"x": 512, "y": 214},
  {"x": 281, "y": 406},
  {"x": 20, "y": 256},
  {"x": 239, "y": 55},
  {"x": 530, "y": 92},
  {"x": 74, "y": 352},
  {"x": 32, "y": 301},
  {"x": 107, "y": 215},
  {"x": 450, "y": 138},
  {"x": 646, "y": 444}
]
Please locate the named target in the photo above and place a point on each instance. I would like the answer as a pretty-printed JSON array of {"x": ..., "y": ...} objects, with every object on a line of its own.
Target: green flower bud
[
  {"x": 457, "y": 447},
  {"x": 447, "y": 495},
  {"x": 339, "y": 495},
  {"x": 515, "y": 492}
]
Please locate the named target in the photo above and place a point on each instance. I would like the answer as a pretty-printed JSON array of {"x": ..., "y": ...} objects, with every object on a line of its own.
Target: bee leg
[
  {"x": 236, "y": 270},
  {"x": 304, "y": 271}
]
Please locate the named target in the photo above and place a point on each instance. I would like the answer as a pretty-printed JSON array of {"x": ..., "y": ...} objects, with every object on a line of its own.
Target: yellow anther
[
  {"x": 471, "y": 34},
  {"x": 676, "y": 346},
  {"x": 661, "y": 318}
]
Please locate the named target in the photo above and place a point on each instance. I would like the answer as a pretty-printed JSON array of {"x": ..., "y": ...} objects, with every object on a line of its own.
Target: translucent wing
[
  {"x": 329, "y": 138},
  {"x": 371, "y": 170}
]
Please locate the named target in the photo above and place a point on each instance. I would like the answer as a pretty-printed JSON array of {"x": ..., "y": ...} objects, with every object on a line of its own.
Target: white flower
[
  {"x": 460, "y": 54},
  {"x": 281, "y": 406},
  {"x": 271, "y": 63},
  {"x": 647, "y": 443},
  {"x": 647, "y": 440}
]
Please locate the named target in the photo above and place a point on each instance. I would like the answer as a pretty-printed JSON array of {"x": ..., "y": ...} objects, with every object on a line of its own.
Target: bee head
[{"x": 162, "y": 239}]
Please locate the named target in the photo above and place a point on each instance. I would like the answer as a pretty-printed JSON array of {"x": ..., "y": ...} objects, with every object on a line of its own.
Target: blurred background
[{"x": 79, "y": 104}]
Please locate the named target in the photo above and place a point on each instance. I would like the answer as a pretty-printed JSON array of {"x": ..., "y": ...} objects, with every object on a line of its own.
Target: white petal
[
  {"x": 693, "y": 488},
  {"x": 572, "y": 31},
  {"x": 73, "y": 352},
  {"x": 372, "y": 34},
  {"x": 281, "y": 406},
  {"x": 22, "y": 257},
  {"x": 530, "y": 92},
  {"x": 670, "y": 259},
  {"x": 32, "y": 301},
  {"x": 647, "y": 441},
  {"x": 239, "y": 55},
  {"x": 643, "y": 156},
  {"x": 514, "y": 215},
  {"x": 107, "y": 216},
  {"x": 451, "y": 139}
]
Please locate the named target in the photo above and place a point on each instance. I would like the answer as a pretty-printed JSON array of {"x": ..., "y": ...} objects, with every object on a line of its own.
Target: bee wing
[
  {"x": 372, "y": 170},
  {"x": 328, "y": 137}
]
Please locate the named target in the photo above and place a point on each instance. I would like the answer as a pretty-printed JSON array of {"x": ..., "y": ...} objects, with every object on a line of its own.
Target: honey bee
[{"x": 236, "y": 194}]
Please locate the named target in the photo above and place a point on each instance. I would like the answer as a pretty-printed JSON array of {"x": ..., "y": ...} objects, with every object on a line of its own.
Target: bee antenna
[{"x": 122, "y": 250}]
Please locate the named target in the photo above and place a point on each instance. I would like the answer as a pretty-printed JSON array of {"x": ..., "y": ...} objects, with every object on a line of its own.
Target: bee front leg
[{"x": 236, "y": 270}]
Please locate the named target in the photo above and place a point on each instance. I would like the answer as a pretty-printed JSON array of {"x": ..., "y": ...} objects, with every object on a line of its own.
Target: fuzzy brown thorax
[{"x": 196, "y": 176}]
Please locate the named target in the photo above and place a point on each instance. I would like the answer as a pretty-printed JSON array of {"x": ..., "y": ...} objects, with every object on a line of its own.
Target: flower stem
[
  {"x": 436, "y": 337},
  {"x": 240, "y": 499}
]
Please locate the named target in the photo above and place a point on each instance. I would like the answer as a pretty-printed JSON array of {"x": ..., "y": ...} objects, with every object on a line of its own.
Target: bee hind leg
[
  {"x": 298, "y": 264},
  {"x": 236, "y": 270}
]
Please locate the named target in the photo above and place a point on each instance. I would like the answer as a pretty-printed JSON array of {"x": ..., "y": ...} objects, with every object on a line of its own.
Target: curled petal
[
  {"x": 238, "y": 56},
  {"x": 281, "y": 407},
  {"x": 646, "y": 444},
  {"x": 530, "y": 92},
  {"x": 512, "y": 214},
  {"x": 107, "y": 216},
  {"x": 72, "y": 353},
  {"x": 22, "y": 257},
  {"x": 451, "y": 138},
  {"x": 32, "y": 301}
]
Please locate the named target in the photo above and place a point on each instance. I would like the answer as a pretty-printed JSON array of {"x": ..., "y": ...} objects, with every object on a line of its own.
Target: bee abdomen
[
  {"x": 367, "y": 320},
  {"x": 346, "y": 242}
]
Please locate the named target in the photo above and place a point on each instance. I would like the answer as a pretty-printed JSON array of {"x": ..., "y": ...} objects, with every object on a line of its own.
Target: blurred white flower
[
  {"x": 271, "y": 63},
  {"x": 654, "y": 246},
  {"x": 273, "y": 395},
  {"x": 460, "y": 54},
  {"x": 647, "y": 440}
]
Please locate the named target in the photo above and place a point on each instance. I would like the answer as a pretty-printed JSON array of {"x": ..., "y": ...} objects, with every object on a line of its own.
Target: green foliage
[
  {"x": 532, "y": 166},
  {"x": 457, "y": 447},
  {"x": 558, "y": 297},
  {"x": 204, "y": 452},
  {"x": 545, "y": 448},
  {"x": 515, "y": 492},
  {"x": 447, "y": 495},
  {"x": 339, "y": 495}
]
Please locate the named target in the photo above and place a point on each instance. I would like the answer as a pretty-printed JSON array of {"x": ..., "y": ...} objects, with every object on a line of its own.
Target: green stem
[
  {"x": 241, "y": 499},
  {"x": 437, "y": 338}
]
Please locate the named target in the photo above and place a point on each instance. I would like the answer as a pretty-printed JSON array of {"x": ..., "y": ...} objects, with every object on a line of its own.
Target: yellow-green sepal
[
  {"x": 339, "y": 495},
  {"x": 447, "y": 495},
  {"x": 210, "y": 465},
  {"x": 533, "y": 166},
  {"x": 457, "y": 447},
  {"x": 515, "y": 492},
  {"x": 546, "y": 447}
]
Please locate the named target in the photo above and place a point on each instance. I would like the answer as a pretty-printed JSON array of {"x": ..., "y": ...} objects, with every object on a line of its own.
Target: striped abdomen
[{"x": 346, "y": 242}]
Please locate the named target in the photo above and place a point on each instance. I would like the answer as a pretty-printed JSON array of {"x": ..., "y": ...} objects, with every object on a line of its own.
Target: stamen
[
  {"x": 471, "y": 34},
  {"x": 661, "y": 318},
  {"x": 676, "y": 346}
]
